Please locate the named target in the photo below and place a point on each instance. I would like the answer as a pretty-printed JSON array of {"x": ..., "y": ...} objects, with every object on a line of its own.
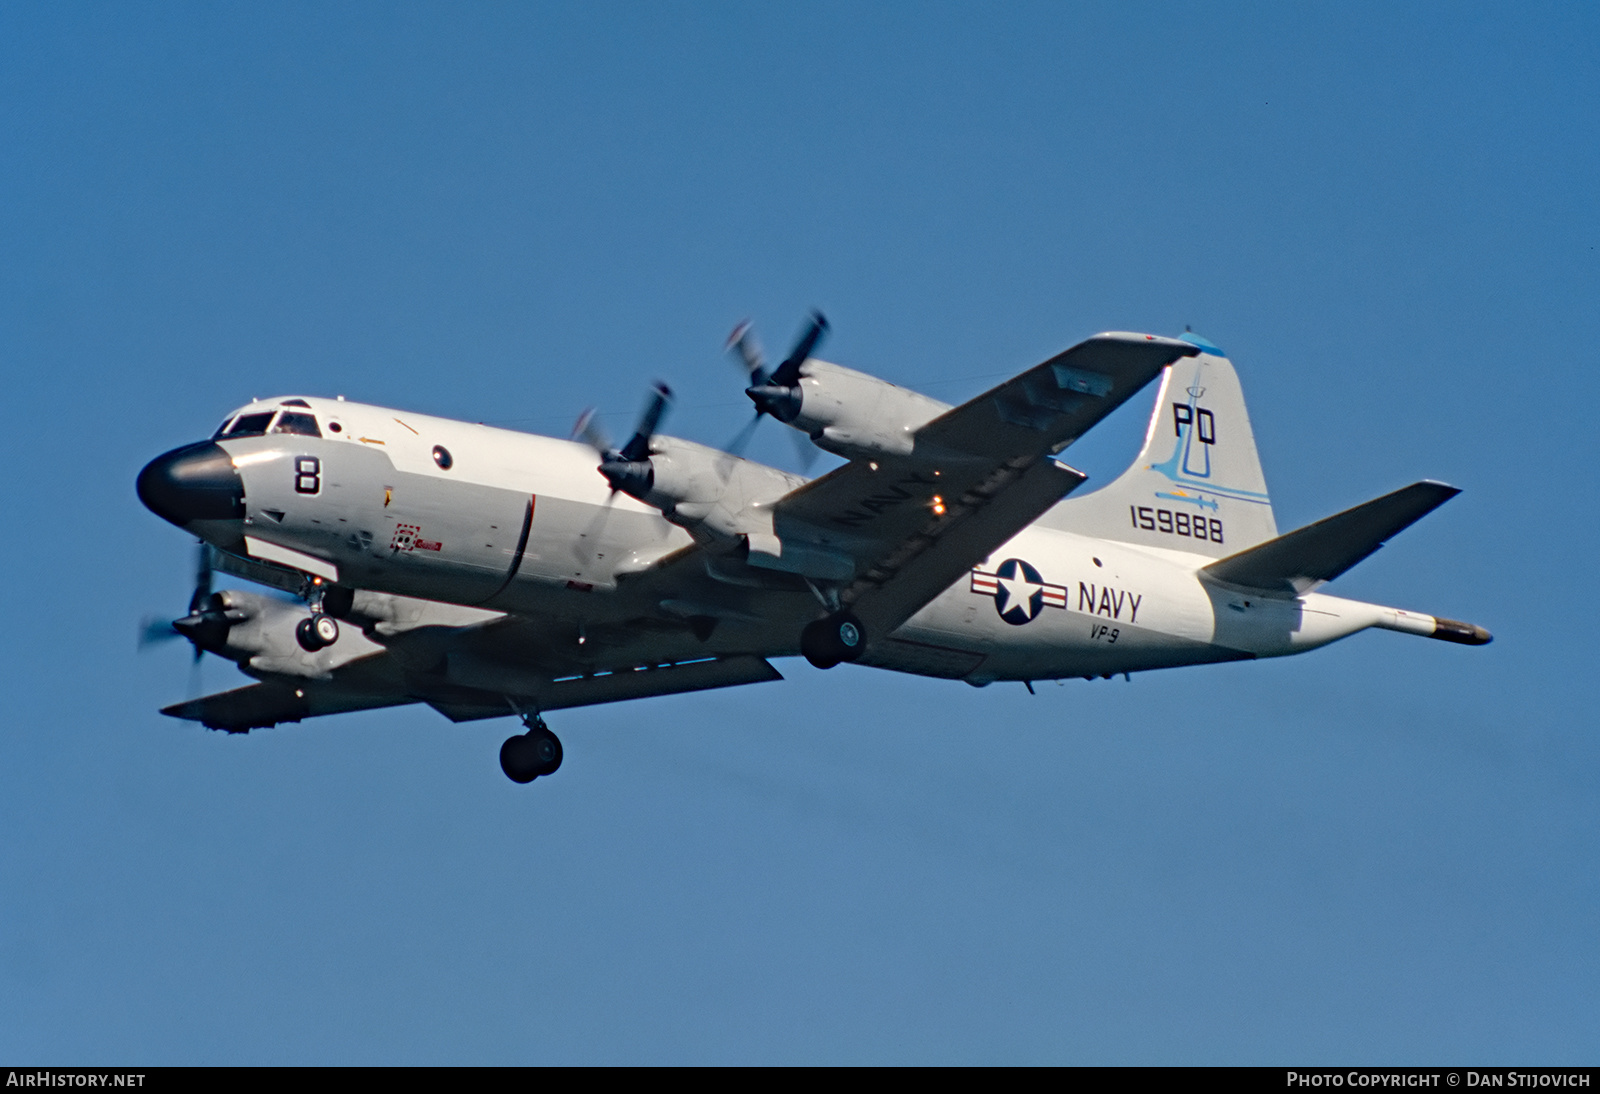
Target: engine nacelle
[
  {"x": 257, "y": 633},
  {"x": 713, "y": 495},
  {"x": 856, "y": 415}
]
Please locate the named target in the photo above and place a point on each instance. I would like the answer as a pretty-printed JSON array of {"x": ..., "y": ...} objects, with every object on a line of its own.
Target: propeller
[
  {"x": 628, "y": 469},
  {"x": 209, "y": 617},
  {"x": 776, "y": 393},
  {"x": 154, "y": 630},
  {"x": 206, "y": 625}
]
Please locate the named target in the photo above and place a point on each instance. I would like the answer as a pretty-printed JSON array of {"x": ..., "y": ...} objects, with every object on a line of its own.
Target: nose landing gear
[{"x": 528, "y": 755}]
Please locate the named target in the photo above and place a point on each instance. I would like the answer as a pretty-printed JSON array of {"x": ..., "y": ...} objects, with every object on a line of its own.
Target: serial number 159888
[{"x": 1175, "y": 524}]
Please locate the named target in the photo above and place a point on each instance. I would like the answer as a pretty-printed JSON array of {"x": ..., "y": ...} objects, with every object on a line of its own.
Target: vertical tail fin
[{"x": 1197, "y": 484}]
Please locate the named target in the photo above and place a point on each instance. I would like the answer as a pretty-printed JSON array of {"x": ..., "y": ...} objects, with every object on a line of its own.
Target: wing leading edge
[{"x": 259, "y": 706}]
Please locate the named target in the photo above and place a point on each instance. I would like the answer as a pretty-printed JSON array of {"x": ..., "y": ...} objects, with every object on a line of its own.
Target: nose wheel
[
  {"x": 839, "y": 637},
  {"x": 528, "y": 755}
]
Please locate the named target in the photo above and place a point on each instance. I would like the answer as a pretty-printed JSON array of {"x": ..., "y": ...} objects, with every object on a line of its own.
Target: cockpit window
[
  {"x": 249, "y": 425},
  {"x": 297, "y": 402},
  {"x": 293, "y": 422}
]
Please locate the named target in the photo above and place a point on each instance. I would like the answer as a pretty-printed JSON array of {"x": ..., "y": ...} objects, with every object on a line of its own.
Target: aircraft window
[
  {"x": 302, "y": 424},
  {"x": 441, "y": 456},
  {"x": 297, "y": 402},
  {"x": 249, "y": 425},
  {"x": 221, "y": 429}
]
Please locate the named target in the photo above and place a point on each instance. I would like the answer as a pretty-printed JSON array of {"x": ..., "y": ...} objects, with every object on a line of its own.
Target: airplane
[{"x": 493, "y": 573}]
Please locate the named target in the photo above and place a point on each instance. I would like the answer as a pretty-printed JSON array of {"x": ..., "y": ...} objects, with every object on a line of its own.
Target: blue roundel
[{"x": 1020, "y": 597}]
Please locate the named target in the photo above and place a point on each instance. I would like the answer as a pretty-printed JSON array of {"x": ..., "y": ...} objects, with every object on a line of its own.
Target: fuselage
[{"x": 410, "y": 504}]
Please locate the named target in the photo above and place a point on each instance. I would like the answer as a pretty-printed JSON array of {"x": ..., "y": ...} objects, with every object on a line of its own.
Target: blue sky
[{"x": 1384, "y": 851}]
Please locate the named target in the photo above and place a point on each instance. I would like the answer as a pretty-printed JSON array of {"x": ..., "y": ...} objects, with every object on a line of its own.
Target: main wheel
[
  {"x": 528, "y": 755},
  {"x": 826, "y": 642},
  {"x": 547, "y": 750},
  {"x": 316, "y": 633},
  {"x": 326, "y": 628},
  {"x": 517, "y": 759}
]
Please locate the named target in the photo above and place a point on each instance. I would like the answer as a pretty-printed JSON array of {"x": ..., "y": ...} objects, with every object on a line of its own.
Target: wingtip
[{"x": 1178, "y": 347}]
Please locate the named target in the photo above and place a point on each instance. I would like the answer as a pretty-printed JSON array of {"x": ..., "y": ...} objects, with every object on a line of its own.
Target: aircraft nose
[{"x": 195, "y": 482}]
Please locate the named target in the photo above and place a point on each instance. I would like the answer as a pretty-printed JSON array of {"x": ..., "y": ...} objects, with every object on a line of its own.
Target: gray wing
[
  {"x": 404, "y": 650},
  {"x": 978, "y": 475},
  {"x": 257, "y": 706},
  {"x": 638, "y": 682}
]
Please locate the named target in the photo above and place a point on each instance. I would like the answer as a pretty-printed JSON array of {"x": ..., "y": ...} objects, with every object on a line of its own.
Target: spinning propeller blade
[
  {"x": 777, "y": 393},
  {"x": 200, "y": 598},
  {"x": 638, "y": 446},
  {"x": 629, "y": 469},
  {"x": 587, "y": 430},
  {"x": 206, "y": 621},
  {"x": 736, "y": 446},
  {"x": 743, "y": 345},
  {"x": 804, "y": 450},
  {"x": 788, "y": 373},
  {"x": 153, "y": 630}
]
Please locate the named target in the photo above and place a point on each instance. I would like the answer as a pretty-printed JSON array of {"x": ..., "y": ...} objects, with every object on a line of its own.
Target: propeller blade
[
  {"x": 741, "y": 439},
  {"x": 588, "y": 430},
  {"x": 804, "y": 449},
  {"x": 733, "y": 451},
  {"x": 154, "y": 631},
  {"x": 202, "y": 578},
  {"x": 629, "y": 469},
  {"x": 638, "y": 446},
  {"x": 788, "y": 373},
  {"x": 742, "y": 342},
  {"x": 588, "y": 544}
]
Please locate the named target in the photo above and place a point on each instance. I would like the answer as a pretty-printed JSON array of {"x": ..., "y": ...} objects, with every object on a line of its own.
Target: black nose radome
[{"x": 195, "y": 482}]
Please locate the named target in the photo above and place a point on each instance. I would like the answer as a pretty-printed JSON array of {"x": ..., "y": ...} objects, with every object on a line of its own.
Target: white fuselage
[{"x": 449, "y": 511}]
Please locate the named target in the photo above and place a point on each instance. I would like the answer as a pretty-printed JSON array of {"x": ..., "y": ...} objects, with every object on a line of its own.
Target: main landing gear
[
  {"x": 318, "y": 632},
  {"x": 528, "y": 755},
  {"x": 330, "y": 604},
  {"x": 839, "y": 637}
]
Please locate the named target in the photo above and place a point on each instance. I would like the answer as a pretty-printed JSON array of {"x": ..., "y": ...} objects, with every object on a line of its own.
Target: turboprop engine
[
  {"x": 855, "y": 415},
  {"x": 260, "y": 637},
  {"x": 715, "y": 496},
  {"x": 711, "y": 494},
  {"x": 846, "y": 412},
  {"x": 258, "y": 632}
]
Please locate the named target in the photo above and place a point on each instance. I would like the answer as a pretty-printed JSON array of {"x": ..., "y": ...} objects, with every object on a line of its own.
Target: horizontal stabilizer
[{"x": 1307, "y": 557}]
